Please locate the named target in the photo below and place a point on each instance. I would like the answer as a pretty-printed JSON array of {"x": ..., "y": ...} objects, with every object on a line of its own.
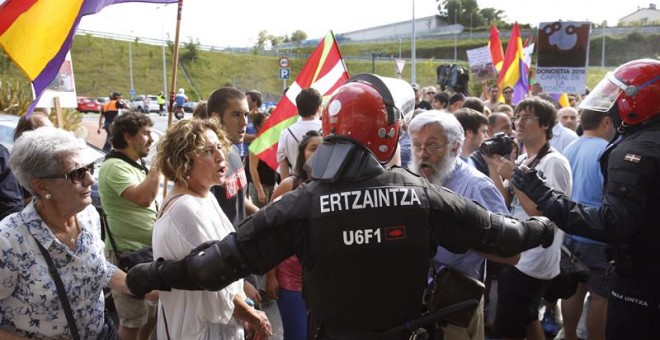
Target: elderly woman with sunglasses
[{"x": 59, "y": 222}]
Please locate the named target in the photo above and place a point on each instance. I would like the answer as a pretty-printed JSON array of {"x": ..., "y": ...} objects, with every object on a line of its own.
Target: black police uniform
[
  {"x": 364, "y": 236},
  {"x": 629, "y": 219}
]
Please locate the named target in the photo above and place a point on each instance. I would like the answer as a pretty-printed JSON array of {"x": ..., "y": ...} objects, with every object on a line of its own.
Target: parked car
[
  {"x": 144, "y": 103},
  {"x": 88, "y": 104}
]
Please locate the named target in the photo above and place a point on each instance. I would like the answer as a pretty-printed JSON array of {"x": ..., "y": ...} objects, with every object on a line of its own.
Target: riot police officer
[
  {"x": 364, "y": 234},
  {"x": 630, "y": 211}
]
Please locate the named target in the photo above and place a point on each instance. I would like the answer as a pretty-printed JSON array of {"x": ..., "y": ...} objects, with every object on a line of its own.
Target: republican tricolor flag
[
  {"x": 37, "y": 34},
  {"x": 514, "y": 70},
  {"x": 324, "y": 71}
]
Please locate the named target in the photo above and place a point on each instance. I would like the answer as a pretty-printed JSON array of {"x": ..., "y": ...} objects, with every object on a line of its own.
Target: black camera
[{"x": 500, "y": 144}]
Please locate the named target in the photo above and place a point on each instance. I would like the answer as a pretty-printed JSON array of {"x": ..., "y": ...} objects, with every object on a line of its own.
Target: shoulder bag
[
  {"x": 127, "y": 259},
  {"x": 109, "y": 330}
]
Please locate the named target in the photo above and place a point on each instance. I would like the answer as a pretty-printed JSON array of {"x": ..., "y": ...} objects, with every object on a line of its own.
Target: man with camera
[
  {"x": 522, "y": 286},
  {"x": 628, "y": 216}
]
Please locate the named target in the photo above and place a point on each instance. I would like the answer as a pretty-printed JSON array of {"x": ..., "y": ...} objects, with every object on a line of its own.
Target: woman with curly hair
[{"x": 192, "y": 155}]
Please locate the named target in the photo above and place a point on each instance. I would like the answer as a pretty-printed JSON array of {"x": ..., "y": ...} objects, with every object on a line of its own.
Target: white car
[{"x": 144, "y": 103}]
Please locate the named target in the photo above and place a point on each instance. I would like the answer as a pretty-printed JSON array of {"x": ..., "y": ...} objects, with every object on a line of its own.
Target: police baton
[{"x": 432, "y": 317}]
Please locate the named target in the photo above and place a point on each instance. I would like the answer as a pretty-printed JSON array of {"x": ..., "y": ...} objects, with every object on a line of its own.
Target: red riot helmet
[
  {"x": 368, "y": 109},
  {"x": 633, "y": 90}
]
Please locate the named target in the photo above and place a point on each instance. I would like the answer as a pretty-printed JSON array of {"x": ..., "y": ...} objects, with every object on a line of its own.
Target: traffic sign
[
  {"x": 284, "y": 62},
  {"x": 284, "y": 73},
  {"x": 131, "y": 93}
]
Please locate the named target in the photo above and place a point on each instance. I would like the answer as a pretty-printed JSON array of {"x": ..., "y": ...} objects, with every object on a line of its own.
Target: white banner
[
  {"x": 481, "y": 63},
  {"x": 563, "y": 48}
]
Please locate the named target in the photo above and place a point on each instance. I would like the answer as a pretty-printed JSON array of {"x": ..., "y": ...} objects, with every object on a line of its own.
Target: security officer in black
[
  {"x": 630, "y": 213},
  {"x": 364, "y": 234}
]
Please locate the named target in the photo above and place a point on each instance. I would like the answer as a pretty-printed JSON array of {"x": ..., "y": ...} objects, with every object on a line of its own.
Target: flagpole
[
  {"x": 175, "y": 62},
  {"x": 175, "y": 65}
]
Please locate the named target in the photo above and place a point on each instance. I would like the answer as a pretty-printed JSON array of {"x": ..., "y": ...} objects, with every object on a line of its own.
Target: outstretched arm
[
  {"x": 263, "y": 240},
  {"x": 460, "y": 224}
]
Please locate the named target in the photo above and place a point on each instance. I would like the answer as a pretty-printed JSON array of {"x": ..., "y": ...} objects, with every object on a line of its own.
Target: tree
[
  {"x": 297, "y": 37},
  {"x": 492, "y": 15},
  {"x": 190, "y": 52},
  {"x": 262, "y": 38},
  {"x": 275, "y": 40}
]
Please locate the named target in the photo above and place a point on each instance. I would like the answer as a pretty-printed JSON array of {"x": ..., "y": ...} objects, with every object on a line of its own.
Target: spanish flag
[
  {"x": 324, "y": 71},
  {"x": 37, "y": 34}
]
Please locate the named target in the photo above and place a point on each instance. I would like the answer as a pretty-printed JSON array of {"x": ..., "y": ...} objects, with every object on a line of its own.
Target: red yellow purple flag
[
  {"x": 324, "y": 71},
  {"x": 495, "y": 46},
  {"x": 514, "y": 70},
  {"x": 37, "y": 34}
]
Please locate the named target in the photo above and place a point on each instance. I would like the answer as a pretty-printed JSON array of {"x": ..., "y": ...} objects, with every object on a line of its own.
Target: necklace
[{"x": 67, "y": 238}]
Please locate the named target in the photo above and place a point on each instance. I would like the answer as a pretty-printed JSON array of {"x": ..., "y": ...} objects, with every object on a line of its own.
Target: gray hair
[
  {"x": 449, "y": 124},
  {"x": 41, "y": 153}
]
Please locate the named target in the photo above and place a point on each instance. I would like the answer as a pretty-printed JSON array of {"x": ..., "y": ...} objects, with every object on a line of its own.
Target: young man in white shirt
[
  {"x": 522, "y": 286},
  {"x": 309, "y": 106}
]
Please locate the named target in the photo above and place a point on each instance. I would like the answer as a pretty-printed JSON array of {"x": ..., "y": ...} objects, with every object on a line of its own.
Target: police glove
[
  {"x": 531, "y": 182},
  {"x": 540, "y": 230},
  {"x": 143, "y": 278}
]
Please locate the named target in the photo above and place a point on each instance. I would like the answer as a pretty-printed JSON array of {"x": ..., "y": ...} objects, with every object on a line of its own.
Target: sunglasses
[
  {"x": 76, "y": 175},
  {"x": 507, "y": 91}
]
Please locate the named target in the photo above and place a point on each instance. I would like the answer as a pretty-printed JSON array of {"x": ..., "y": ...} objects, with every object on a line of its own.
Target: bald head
[
  {"x": 500, "y": 122},
  {"x": 568, "y": 117}
]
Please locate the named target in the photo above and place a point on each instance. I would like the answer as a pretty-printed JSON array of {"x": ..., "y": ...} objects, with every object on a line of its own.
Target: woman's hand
[
  {"x": 261, "y": 196},
  {"x": 259, "y": 326}
]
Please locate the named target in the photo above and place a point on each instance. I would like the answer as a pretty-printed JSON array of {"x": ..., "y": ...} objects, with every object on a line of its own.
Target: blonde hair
[{"x": 181, "y": 143}]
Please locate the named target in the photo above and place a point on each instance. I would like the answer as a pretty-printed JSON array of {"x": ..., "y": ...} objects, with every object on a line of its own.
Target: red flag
[
  {"x": 324, "y": 71},
  {"x": 495, "y": 46}
]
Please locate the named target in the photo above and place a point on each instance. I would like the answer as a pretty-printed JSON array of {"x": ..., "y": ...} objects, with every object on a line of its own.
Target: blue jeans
[{"x": 293, "y": 314}]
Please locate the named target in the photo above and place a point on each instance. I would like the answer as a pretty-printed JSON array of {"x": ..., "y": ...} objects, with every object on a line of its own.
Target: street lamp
[
  {"x": 456, "y": 32},
  {"x": 130, "y": 67},
  {"x": 162, "y": 33},
  {"x": 413, "y": 53}
]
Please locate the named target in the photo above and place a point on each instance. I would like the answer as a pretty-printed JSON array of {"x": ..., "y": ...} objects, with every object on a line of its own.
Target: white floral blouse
[{"x": 29, "y": 304}]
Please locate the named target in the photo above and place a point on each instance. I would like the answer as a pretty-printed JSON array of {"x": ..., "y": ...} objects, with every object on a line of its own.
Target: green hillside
[{"x": 102, "y": 65}]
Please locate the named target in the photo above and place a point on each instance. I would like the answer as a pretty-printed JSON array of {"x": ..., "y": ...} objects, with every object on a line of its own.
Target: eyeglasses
[
  {"x": 527, "y": 119},
  {"x": 430, "y": 92},
  {"x": 76, "y": 175},
  {"x": 507, "y": 91},
  {"x": 433, "y": 147}
]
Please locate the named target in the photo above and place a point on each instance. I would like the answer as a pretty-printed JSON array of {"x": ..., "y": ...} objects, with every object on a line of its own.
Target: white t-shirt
[
  {"x": 287, "y": 146},
  {"x": 188, "y": 222},
  {"x": 543, "y": 263}
]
